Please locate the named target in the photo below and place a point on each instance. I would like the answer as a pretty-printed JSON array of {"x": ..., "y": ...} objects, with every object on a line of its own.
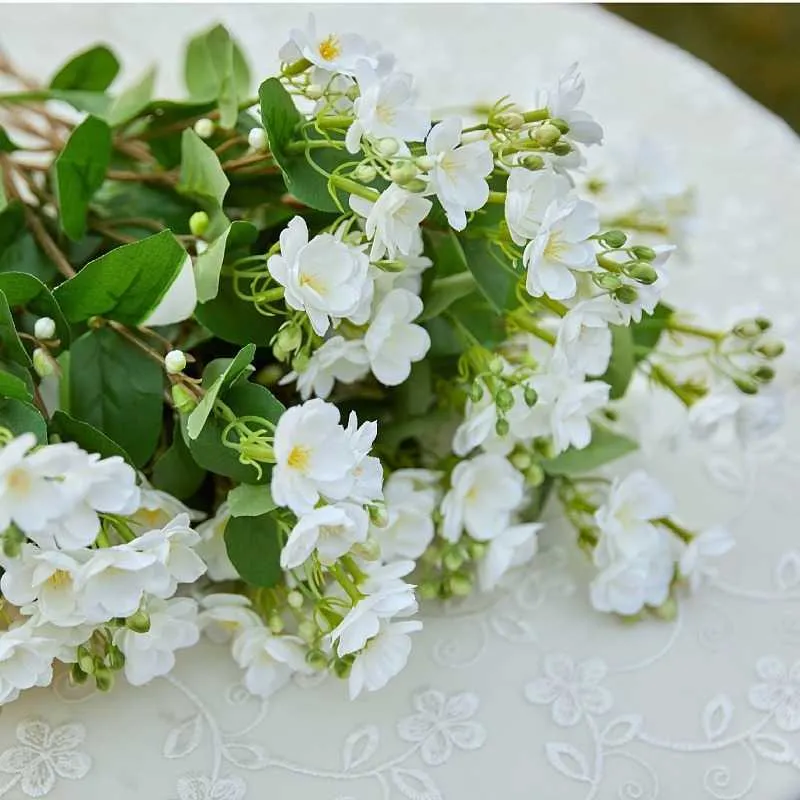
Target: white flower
[
  {"x": 385, "y": 108},
  {"x": 367, "y": 472},
  {"x": 485, "y": 491},
  {"x": 561, "y": 101},
  {"x": 226, "y": 615},
  {"x": 268, "y": 660},
  {"x": 779, "y": 693},
  {"x": 337, "y": 359},
  {"x": 516, "y": 545},
  {"x": 173, "y": 626},
  {"x": 411, "y": 498},
  {"x": 560, "y": 246},
  {"x": 157, "y": 508},
  {"x": 211, "y": 547},
  {"x": 625, "y": 519},
  {"x": 584, "y": 336},
  {"x": 383, "y": 657},
  {"x": 528, "y": 196},
  {"x": 574, "y": 690},
  {"x": 313, "y": 457},
  {"x": 393, "y": 341},
  {"x": 696, "y": 563},
  {"x": 647, "y": 297},
  {"x": 459, "y": 175},
  {"x": 25, "y": 661},
  {"x": 409, "y": 277},
  {"x": 330, "y": 50},
  {"x": 392, "y": 221},
  {"x": 330, "y": 530},
  {"x": 726, "y": 417},
  {"x": 478, "y": 426},
  {"x": 324, "y": 277}
]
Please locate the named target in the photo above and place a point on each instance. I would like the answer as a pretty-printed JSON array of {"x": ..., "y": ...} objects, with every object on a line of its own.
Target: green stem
[
  {"x": 537, "y": 115},
  {"x": 336, "y": 121},
  {"x": 521, "y": 319},
  {"x": 497, "y": 197},
  {"x": 301, "y": 65},
  {"x": 693, "y": 330},
  {"x": 298, "y": 148},
  {"x": 353, "y": 568},
  {"x": 680, "y": 532},
  {"x": 346, "y": 582},
  {"x": 347, "y": 185},
  {"x": 552, "y": 305},
  {"x": 270, "y": 295},
  {"x": 663, "y": 378}
]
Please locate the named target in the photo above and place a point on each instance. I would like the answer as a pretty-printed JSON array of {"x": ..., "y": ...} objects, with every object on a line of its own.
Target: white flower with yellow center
[
  {"x": 367, "y": 473},
  {"x": 337, "y": 359},
  {"x": 528, "y": 196},
  {"x": 411, "y": 498},
  {"x": 460, "y": 170},
  {"x": 223, "y": 616},
  {"x": 313, "y": 457},
  {"x": 157, "y": 509},
  {"x": 326, "y": 278},
  {"x": 25, "y": 661}
]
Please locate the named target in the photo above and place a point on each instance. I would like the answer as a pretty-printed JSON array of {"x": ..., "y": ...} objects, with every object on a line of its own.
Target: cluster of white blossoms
[{"x": 86, "y": 579}]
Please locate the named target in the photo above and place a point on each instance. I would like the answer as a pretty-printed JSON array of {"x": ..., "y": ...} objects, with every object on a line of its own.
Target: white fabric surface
[{"x": 663, "y": 709}]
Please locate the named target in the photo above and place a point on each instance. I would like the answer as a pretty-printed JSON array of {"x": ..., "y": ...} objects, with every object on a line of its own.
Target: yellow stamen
[
  {"x": 312, "y": 281},
  {"x": 299, "y": 458},
  {"x": 554, "y": 247},
  {"x": 59, "y": 579},
  {"x": 19, "y": 481},
  {"x": 330, "y": 48}
]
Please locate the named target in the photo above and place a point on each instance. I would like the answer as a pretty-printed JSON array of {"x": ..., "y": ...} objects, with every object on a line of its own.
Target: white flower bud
[
  {"x": 365, "y": 173},
  {"x": 388, "y": 147},
  {"x": 295, "y": 599},
  {"x": 204, "y": 128},
  {"x": 42, "y": 363},
  {"x": 175, "y": 361},
  {"x": 403, "y": 172},
  {"x": 45, "y": 328},
  {"x": 314, "y": 91},
  {"x": 257, "y": 139},
  {"x": 425, "y": 162}
]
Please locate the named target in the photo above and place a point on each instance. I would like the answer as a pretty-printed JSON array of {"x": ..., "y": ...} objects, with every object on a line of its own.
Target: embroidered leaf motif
[
  {"x": 717, "y": 716},
  {"x": 513, "y": 628},
  {"x": 621, "y": 730},
  {"x": 567, "y": 760},
  {"x": 773, "y": 748},
  {"x": 414, "y": 784},
  {"x": 183, "y": 738},
  {"x": 246, "y": 756},
  {"x": 359, "y": 746},
  {"x": 787, "y": 573},
  {"x": 200, "y": 787}
]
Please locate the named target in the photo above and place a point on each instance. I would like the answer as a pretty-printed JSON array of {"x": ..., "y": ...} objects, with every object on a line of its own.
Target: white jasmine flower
[
  {"x": 478, "y": 427},
  {"x": 367, "y": 473},
  {"x": 330, "y": 50},
  {"x": 408, "y": 278},
  {"x": 485, "y": 491},
  {"x": 696, "y": 561},
  {"x": 726, "y": 417},
  {"x": 223, "y": 616},
  {"x": 516, "y": 545},
  {"x": 528, "y": 196},
  {"x": 173, "y": 626},
  {"x": 459, "y": 175},
  {"x": 325, "y": 278},
  {"x": 392, "y": 221},
  {"x": 385, "y": 108},
  {"x": 313, "y": 457},
  {"x": 384, "y": 656},
  {"x": 157, "y": 509},
  {"x": 393, "y": 342},
  {"x": 211, "y": 547},
  {"x": 625, "y": 519},
  {"x": 268, "y": 660},
  {"x": 562, "y": 99},
  {"x": 411, "y": 498},
  {"x": 330, "y": 530},
  {"x": 560, "y": 246},
  {"x": 25, "y": 661},
  {"x": 337, "y": 359},
  {"x": 584, "y": 337}
]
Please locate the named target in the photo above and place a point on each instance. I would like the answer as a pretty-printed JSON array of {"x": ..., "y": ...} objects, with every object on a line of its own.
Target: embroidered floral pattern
[{"x": 779, "y": 692}]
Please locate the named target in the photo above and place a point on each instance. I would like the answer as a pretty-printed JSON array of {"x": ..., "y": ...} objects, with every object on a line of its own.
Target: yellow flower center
[
  {"x": 150, "y": 517},
  {"x": 299, "y": 458},
  {"x": 59, "y": 579},
  {"x": 386, "y": 114},
  {"x": 313, "y": 282},
  {"x": 19, "y": 481},
  {"x": 330, "y": 48},
  {"x": 554, "y": 247}
]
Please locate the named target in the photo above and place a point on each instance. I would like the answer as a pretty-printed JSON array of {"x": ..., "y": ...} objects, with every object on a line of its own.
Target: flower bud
[
  {"x": 342, "y": 667},
  {"x": 561, "y": 124},
  {"x": 45, "y": 328},
  {"x": 667, "y": 611},
  {"x": 771, "y": 349},
  {"x": 452, "y": 560},
  {"x": 425, "y": 163},
  {"x": 388, "y": 147},
  {"x": 85, "y": 660},
  {"x": 501, "y": 427},
  {"x": 317, "y": 660},
  {"x": 763, "y": 324},
  {"x": 608, "y": 281},
  {"x": 643, "y": 253},
  {"x": 115, "y": 659},
  {"x": 476, "y": 392},
  {"x": 460, "y": 585},
  {"x": 175, "y": 361},
  {"x": 477, "y": 550},
  {"x": 289, "y": 338},
  {"x": 365, "y": 173},
  {"x": 257, "y": 139},
  {"x": 198, "y": 223},
  {"x": 531, "y": 396},
  {"x": 561, "y": 149},
  {"x": 183, "y": 400},
  {"x": 511, "y": 120},
  {"x": 764, "y": 373},
  {"x": 504, "y": 400},
  {"x": 402, "y": 172},
  {"x": 642, "y": 272},
  {"x": 269, "y": 375},
  {"x": 748, "y": 329},
  {"x": 496, "y": 365},
  {"x": 547, "y": 134},
  {"x": 532, "y": 162},
  {"x": 104, "y": 679},
  {"x": 138, "y": 622},
  {"x": 416, "y": 185},
  {"x": 613, "y": 239},
  {"x": 521, "y": 461},
  {"x": 204, "y": 128},
  {"x": 77, "y": 675},
  {"x": 275, "y": 623},
  {"x": 307, "y": 631},
  {"x": 746, "y": 385},
  {"x": 378, "y": 515},
  {"x": 42, "y": 363},
  {"x": 428, "y": 590},
  {"x": 295, "y": 599},
  {"x": 534, "y": 475},
  {"x": 626, "y": 294}
]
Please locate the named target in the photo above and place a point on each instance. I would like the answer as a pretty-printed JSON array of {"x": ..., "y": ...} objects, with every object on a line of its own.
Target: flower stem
[
  {"x": 678, "y": 530},
  {"x": 693, "y": 330},
  {"x": 301, "y": 65},
  {"x": 346, "y": 582},
  {"x": 497, "y": 197},
  {"x": 347, "y": 185}
]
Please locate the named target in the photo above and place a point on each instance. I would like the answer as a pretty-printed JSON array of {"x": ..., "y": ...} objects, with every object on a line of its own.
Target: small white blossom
[
  {"x": 478, "y": 427},
  {"x": 411, "y": 498},
  {"x": 330, "y": 530},
  {"x": 516, "y": 545},
  {"x": 696, "y": 562},
  {"x": 157, "y": 509},
  {"x": 324, "y": 277},
  {"x": 25, "y": 661},
  {"x": 485, "y": 491},
  {"x": 528, "y": 196},
  {"x": 333, "y": 51},
  {"x": 175, "y": 362},
  {"x": 267, "y": 659},
  {"x": 393, "y": 341},
  {"x": 367, "y": 472},
  {"x": 725, "y": 417},
  {"x": 211, "y": 547},
  {"x": 224, "y": 616},
  {"x": 384, "y": 657},
  {"x": 584, "y": 336},
  {"x": 44, "y": 328},
  {"x": 337, "y": 359},
  {"x": 562, "y": 99},
  {"x": 392, "y": 221},
  {"x": 460, "y": 170}
]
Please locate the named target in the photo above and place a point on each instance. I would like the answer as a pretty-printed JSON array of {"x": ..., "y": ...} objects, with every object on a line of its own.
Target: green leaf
[
  {"x": 622, "y": 364},
  {"x": 465, "y": 321},
  {"x": 493, "y": 273},
  {"x": 6, "y": 143},
  {"x": 125, "y": 284},
  {"x": 280, "y": 118},
  {"x": 80, "y": 171},
  {"x": 21, "y": 417},
  {"x": 132, "y": 101},
  {"x": 445, "y": 291},
  {"x": 415, "y": 395},
  {"x": 232, "y": 372},
  {"x": 647, "y": 332},
  {"x": 93, "y": 70},
  {"x": 10, "y": 346},
  {"x": 209, "y": 265},
  {"x": 254, "y": 548},
  {"x": 176, "y": 472},
  {"x": 14, "y": 387},
  {"x": 605, "y": 446},
  {"x": 86, "y": 436},
  {"x": 29, "y": 292},
  {"x": 117, "y": 388},
  {"x": 124, "y": 199},
  {"x": 202, "y": 177},
  {"x": 250, "y": 501},
  {"x": 18, "y": 249}
]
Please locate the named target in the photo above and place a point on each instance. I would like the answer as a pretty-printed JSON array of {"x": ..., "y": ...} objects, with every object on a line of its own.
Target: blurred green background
[{"x": 757, "y": 45}]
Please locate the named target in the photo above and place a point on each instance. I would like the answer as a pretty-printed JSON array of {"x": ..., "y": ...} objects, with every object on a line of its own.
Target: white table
[{"x": 671, "y": 715}]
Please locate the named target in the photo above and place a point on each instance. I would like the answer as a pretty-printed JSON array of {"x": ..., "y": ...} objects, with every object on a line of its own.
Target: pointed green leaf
[
  {"x": 622, "y": 364},
  {"x": 10, "y": 346},
  {"x": 605, "y": 446},
  {"x": 93, "y": 70},
  {"x": 250, "y": 501},
  {"x": 647, "y": 332},
  {"x": 29, "y": 292},
  {"x": 85, "y": 436},
  {"x": 14, "y": 387},
  {"x": 132, "y": 101},
  {"x": 209, "y": 265},
  {"x": 202, "y": 177},
  {"x": 492, "y": 271},
  {"x": 176, "y": 472},
  {"x": 21, "y": 417},
  {"x": 254, "y": 548}
]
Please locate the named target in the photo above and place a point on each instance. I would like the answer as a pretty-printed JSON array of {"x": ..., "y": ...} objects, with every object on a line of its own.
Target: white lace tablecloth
[{"x": 529, "y": 693}]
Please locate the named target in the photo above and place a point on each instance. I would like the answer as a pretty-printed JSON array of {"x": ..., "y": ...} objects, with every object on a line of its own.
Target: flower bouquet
[{"x": 274, "y": 367}]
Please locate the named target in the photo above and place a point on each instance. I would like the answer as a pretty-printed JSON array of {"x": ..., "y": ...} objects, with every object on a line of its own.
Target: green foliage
[
  {"x": 6, "y": 143},
  {"x": 93, "y": 70},
  {"x": 647, "y": 333},
  {"x": 132, "y": 102},
  {"x": 176, "y": 472},
  {"x": 209, "y": 265},
  {"x": 202, "y": 178},
  {"x": 254, "y": 548},
  {"x": 622, "y": 364},
  {"x": 13, "y": 386},
  {"x": 22, "y": 417},
  {"x": 606, "y": 446},
  {"x": 18, "y": 250},
  {"x": 493, "y": 273},
  {"x": 250, "y": 501},
  {"x": 26, "y": 291},
  {"x": 10, "y": 346},
  {"x": 69, "y": 429}
]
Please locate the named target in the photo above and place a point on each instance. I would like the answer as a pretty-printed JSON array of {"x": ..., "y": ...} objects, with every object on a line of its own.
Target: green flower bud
[
  {"x": 614, "y": 239},
  {"x": 85, "y": 660},
  {"x": 477, "y": 550},
  {"x": 561, "y": 149},
  {"x": 204, "y": 128},
  {"x": 269, "y": 375},
  {"x": 275, "y": 623},
  {"x": 476, "y": 392},
  {"x": 198, "y": 223},
  {"x": 763, "y": 323},
  {"x": 521, "y": 461},
  {"x": 416, "y": 185},
  {"x": 452, "y": 560},
  {"x": 460, "y": 585},
  {"x": 748, "y": 329},
  {"x": 531, "y": 396},
  {"x": 295, "y": 599},
  {"x": 104, "y": 679},
  {"x": 642, "y": 272},
  {"x": 300, "y": 362},
  {"x": 317, "y": 660},
  {"x": 42, "y": 363},
  {"x": 608, "y": 281},
  {"x": 13, "y": 539},
  {"x": 378, "y": 515},
  {"x": 534, "y": 475},
  {"x": 115, "y": 659},
  {"x": 307, "y": 631},
  {"x": 402, "y": 172},
  {"x": 289, "y": 338},
  {"x": 643, "y": 253},
  {"x": 532, "y": 162},
  {"x": 341, "y": 668},
  {"x": 44, "y": 328},
  {"x": 388, "y": 147},
  {"x": 365, "y": 173},
  {"x": 667, "y": 611},
  {"x": 626, "y": 294},
  {"x": 504, "y": 400},
  {"x": 561, "y": 124},
  {"x": 746, "y": 385},
  {"x": 183, "y": 400},
  {"x": 501, "y": 427},
  {"x": 764, "y": 373},
  {"x": 314, "y": 91},
  {"x": 138, "y": 622},
  {"x": 511, "y": 120},
  {"x": 547, "y": 134},
  {"x": 77, "y": 675},
  {"x": 175, "y": 362},
  {"x": 425, "y": 163},
  {"x": 428, "y": 590},
  {"x": 771, "y": 349},
  {"x": 496, "y": 365}
]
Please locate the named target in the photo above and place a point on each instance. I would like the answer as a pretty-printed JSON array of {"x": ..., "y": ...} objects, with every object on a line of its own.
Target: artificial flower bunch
[{"x": 274, "y": 366}]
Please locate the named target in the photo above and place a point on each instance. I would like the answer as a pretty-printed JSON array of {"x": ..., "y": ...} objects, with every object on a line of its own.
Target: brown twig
[
  {"x": 245, "y": 161},
  {"x": 166, "y": 178},
  {"x": 225, "y": 146}
]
